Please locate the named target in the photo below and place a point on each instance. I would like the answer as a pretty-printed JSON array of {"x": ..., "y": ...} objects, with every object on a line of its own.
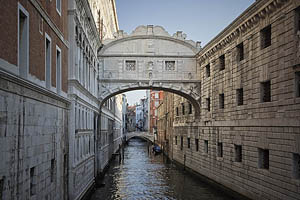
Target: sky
[{"x": 201, "y": 20}]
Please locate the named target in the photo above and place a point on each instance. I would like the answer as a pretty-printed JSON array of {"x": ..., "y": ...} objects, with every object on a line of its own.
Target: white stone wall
[{"x": 33, "y": 142}]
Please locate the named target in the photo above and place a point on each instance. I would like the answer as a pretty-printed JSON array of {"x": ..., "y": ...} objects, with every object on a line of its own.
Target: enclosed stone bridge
[
  {"x": 144, "y": 135},
  {"x": 150, "y": 58}
]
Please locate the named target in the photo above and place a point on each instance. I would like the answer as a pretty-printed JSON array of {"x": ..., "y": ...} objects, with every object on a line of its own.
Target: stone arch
[{"x": 194, "y": 99}]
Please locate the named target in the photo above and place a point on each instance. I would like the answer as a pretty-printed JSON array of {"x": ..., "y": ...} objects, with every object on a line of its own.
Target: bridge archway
[{"x": 150, "y": 58}]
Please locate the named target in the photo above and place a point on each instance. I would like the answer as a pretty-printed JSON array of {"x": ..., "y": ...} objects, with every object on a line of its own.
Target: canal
[{"x": 143, "y": 176}]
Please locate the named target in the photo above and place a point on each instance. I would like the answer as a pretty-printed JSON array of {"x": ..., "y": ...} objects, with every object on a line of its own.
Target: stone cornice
[
  {"x": 31, "y": 86},
  {"x": 248, "y": 19}
]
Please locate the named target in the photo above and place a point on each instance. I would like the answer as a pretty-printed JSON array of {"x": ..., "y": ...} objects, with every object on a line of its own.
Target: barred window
[
  {"x": 266, "y": 35},
  {"x": 263, "y": 158},
  {"x": 222, "y": 62},
  {"x": 297, "y": 20},
  {"x": 189, "y": 142},
  {"x": 240, "y": 51},
  {"x": 240, "y": 96},
  {"x": 170, "y": 65},
  {"x": 175, "y": 140},
  {"x": 130, "y": 65},
  {"x": 265, "y": 90},
  {"x": 183, "y": 111},
  {"x": 33, "y": 181},
  {"x": 177, "y": 111},
  {"x": 238, "y": 153}
]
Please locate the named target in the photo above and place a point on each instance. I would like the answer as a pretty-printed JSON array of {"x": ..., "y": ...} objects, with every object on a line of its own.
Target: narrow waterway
[{"x": 143, "y": 176}]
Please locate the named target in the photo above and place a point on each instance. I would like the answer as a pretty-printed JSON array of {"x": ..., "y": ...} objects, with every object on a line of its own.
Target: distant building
[
  {"x": 155, "y": 99},
  {"x": 131, "y": 118}
]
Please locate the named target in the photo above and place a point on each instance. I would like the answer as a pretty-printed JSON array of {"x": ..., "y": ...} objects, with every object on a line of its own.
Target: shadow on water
[{"x": 147, "y": 176}]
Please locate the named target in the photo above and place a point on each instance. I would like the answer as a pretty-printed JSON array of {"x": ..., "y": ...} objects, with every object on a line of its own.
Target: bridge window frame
[
  {"x": 170, "y": 65},
  {"x": 130, "y": 65}
]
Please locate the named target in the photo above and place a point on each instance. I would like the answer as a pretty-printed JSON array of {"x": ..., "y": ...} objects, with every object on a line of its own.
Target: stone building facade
[
  {"x": 33, "y": 100},
  {"x": 247, "y": 136}
]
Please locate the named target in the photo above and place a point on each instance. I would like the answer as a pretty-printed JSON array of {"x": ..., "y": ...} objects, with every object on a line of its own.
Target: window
[
  {"x": 297, "y": 80},
  {"x": 181, "y": 143},
  {"x": 189, "y": 142},
  {"x": 221, "y": 101},
  {"x": 220, "y": 149},
  {"x": 240, "y": 51},
  {"x": 175, "y": 140},
  {"x": 222, "y": 62},
  {"x": 183, "y": 111},
  {"x": 170, "y": 65},
  {"x": 207, "y": 69},
  {"x": 130, "y": 66},
  {"x": 52, "y": 169},
  {"x": 58, "y": 6},
  {"x": 190, "y": 108},
  {"x": 240, "y": 96},
  {"x": 58, "y": 70},
  {"x": 265, "y": 90},
  {"x": 297, "y": 25},
  {"x": 23, "y": 41},
  {"x": 197, "y": 144},
  {"x": 296, "y": 166},
  {"x": 208, "y": 104},
  {"x": 205, "y": 146},
  {"x": 238, "y": 153},
  {"x": 1, "y": 187},
  {"x": 177, "y": 111},
  {"x": 263, "y": 158},
  {"x": 48, "y": 61},
  {"x": 265, "y": 34},
  {"x": 32, "y": 181}
]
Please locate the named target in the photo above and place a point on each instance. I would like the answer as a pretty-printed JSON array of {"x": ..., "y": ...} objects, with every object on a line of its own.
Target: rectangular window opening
[
  {"x": 52, "y": 169},
  {"x": 1, "y": 187},
  {"x": 222, "y": 62},
  {"x": 240, "y": 96},
  {"x": 238, "y": 153},
  {"x": 48, "y": 63},
  {"x": 177, "y": 111},
  {"x": 206, "y": 146},
  {"x": 297, "y": 83},
  {"x": 197, "y": 144},
  {"x": 181, "y": 143},
  {"x": 266, "y": 35},
  {"x": 207, "y": 69},
  {"x": 190, "y": 108},
  {"x": 296, "y": 166},
  {"x": 189, "y": 142},
  {"x": 58, "y": 6},
  {"x": 175, "y": 140},
  {"x": 220, "y": 149},
  {"x": 208, "y": 104},
  {"x": 265, "y": 89},
  {"x": 240, "y": 51},
  {"x": 297, "y": 20},
  {"x": 263, "y": 158},
  {"x": 32, "y": 181},
  {"x": 23, "y": 48},
  {"x": 183, "y": 111},
  {"x": 58, "y": 70},
  {"x": 221, "y": 101}
]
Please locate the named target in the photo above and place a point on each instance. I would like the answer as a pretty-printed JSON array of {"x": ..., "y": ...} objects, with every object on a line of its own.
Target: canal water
[{"x": 144, "y": 176}]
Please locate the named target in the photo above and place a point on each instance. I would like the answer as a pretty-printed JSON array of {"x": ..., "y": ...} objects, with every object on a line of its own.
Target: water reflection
[{"x": 143, "y": 176}]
